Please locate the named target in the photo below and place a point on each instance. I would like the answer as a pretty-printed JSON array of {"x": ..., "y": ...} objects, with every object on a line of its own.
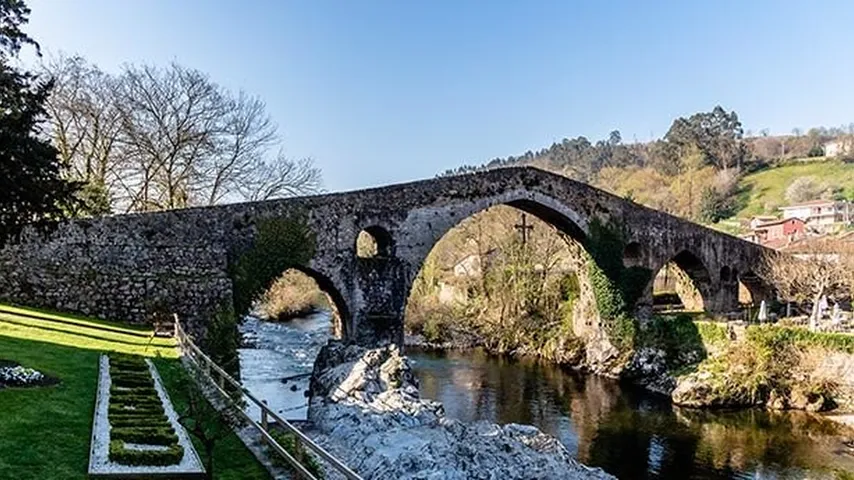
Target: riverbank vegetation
[
  {"x": 775, "y": 366},
  {"x": 292, "y": 295},
  {"x": 67, "y": 348},
  {"x": 483, "y": 283}
]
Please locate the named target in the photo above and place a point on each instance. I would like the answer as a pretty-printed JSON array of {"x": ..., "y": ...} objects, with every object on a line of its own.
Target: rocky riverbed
[{"x": 366, "y": 409}]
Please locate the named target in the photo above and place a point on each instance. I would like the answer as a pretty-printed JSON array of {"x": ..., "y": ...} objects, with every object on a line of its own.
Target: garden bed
[
  {"x": 13, "y": 374},
  {"x": 136, "y": 430}
]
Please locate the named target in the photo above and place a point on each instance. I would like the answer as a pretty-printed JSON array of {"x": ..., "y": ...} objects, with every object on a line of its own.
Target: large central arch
[
  {"x": 439, "y": 220},
  {"x": 568, "y": 223}
]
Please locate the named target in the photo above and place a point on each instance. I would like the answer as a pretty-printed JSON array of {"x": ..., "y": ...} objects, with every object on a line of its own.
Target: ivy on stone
[
  {"x": 279, "y": 244},
  {"x": 616, "y": 287}
]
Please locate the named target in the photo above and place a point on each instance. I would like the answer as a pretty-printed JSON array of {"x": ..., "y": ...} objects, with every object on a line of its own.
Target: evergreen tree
[{"x": 31, "y": 187}]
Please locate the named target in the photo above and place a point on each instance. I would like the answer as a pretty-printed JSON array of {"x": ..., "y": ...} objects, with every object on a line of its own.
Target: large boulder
[{"x": 365, "y": 408}]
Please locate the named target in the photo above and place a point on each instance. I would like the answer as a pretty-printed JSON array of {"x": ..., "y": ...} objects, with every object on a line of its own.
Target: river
[{"x": 627, "y": 431}]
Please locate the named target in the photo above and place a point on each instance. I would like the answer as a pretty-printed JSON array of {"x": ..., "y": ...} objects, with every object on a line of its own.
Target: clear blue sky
[{"x": 387, "y": 91}]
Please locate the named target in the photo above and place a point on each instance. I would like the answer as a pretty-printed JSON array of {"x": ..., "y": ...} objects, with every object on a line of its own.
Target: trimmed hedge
[
  {"x": 136, "y": 415},
  {"x": 118, "y": 391},
  {"x": 133, "y": 421},
  {"x": 126, "y": 409},
  {"x": 145, "y": 435},
  {"x": 131, "y": 381},
  {"x": 135, "y": 400},
  {"x": 120, "y": 454}
]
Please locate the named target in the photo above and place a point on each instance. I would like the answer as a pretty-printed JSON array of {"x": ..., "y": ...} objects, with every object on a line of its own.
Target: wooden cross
[{"x": 525, "y": 228}]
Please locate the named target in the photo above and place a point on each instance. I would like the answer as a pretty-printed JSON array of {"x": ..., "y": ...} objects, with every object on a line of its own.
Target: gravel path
[{"x": 99, "y": 461}]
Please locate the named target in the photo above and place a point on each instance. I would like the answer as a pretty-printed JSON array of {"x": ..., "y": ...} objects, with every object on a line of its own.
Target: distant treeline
[
  {"x": 693, "y": 171},
  {"x": 713, "y": 138}
]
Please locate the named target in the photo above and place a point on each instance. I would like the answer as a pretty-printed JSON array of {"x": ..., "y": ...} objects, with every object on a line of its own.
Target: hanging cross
[{"x": 525, "y": 228}]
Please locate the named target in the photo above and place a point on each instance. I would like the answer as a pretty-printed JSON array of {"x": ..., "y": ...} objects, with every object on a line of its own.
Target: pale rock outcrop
[{"x": 365, "y": 408}]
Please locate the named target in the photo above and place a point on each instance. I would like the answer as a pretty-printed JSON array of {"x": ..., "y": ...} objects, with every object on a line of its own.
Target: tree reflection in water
[{"x": 630, "y": 432}]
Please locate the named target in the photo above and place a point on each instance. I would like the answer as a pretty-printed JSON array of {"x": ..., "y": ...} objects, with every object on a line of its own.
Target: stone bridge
[{"x": 131, "y": 267}]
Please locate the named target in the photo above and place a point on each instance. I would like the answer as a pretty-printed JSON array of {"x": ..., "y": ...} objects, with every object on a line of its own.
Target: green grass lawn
[
  {"x": 768, "y": 187},
  {"x": 45, "y": 432}
]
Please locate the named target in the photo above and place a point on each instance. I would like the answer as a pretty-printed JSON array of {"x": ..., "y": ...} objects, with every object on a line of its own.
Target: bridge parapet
[{"x": 133, "y": 267}]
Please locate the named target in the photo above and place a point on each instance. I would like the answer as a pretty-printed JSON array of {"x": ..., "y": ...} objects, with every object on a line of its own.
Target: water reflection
[{"x": 627, "y": 431}]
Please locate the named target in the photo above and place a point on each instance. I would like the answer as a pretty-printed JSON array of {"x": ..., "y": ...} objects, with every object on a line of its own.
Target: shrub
[
  {"x": 773, "y": 335},
  {"x": 712, "y": 333},
  {"x": 149, "y": 420},
  {"x": 289, "y": 442},
  {"x": 222, "y": 340},
  {"x": 292, "y": 295},
  {"x": 678, "y": 336},
  {"x": 433, "y": 329}
]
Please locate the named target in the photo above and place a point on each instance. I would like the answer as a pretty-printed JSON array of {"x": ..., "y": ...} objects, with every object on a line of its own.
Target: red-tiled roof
[
  {"x": 825, "y": 243},
  {"x": 777, "y": 222},
  {"x": 777, "y": 243}
]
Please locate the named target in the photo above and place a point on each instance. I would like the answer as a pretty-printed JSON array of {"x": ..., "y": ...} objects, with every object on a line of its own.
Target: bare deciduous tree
[
  {"x": 85, "y": 127},
  {"x": 156, "y": 138},
  {"x": 282, "y": 177},
  {"x": 818, "y": 269}
]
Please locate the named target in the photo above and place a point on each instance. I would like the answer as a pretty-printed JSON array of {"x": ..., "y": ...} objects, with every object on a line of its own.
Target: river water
[{"x": 627, "y": 431}]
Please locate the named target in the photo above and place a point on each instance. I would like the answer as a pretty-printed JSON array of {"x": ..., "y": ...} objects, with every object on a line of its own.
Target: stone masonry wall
[{"x": 129, "y": 267}]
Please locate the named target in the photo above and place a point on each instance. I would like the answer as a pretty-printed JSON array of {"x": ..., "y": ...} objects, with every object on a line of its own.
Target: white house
[
  {"x": 469, "y": 266},
  {"x": 820, "y": 214},
  {"x": 838, "y": 147}
]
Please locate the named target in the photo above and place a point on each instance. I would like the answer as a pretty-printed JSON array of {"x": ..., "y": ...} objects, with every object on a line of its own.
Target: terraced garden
[
  {"x": 136, "y": 416},
  {"x": 45, "y": 430}
]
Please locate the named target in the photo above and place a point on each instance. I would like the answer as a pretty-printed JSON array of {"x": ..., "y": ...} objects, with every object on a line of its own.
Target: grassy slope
[
  {"x": 768, "y": 187},
  {"x": 45, "y": 432}
]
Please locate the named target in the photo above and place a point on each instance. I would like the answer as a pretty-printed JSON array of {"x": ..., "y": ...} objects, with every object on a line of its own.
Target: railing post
[{"x": 264, "y": 421}]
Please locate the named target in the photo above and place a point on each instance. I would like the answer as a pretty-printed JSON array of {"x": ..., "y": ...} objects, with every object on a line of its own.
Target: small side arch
[
  {"x": 632, "y": 254},
  {"x": 374, "y": 241},
  {"x": 752, "y": 289}
]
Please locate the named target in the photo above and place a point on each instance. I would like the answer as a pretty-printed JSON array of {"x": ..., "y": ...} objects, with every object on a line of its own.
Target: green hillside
[{"x": 764, "y": 191}]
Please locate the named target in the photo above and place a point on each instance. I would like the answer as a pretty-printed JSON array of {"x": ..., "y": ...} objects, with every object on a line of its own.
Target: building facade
[{"x": 821, "y": 215}]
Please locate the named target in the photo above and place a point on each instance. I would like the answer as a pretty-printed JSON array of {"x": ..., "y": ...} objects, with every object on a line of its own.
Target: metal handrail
[{"x": 207, "y": 364}]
